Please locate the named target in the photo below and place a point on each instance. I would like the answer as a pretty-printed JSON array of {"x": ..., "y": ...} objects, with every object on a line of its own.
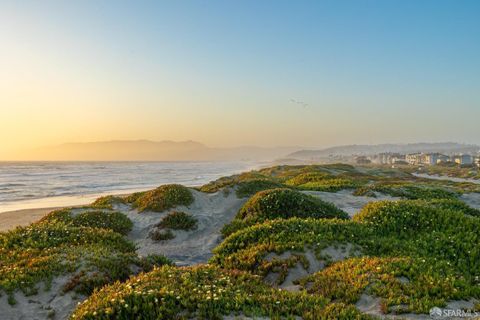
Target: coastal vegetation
[
  {"x": 363, "y": 181},
  {"x": 178, "y": 220},
  {"x": 286, "y": 253},
  {"x": 162, "y": 198},
  {"x": 88, "y": 247},
  {"x": 113, "y": 220},
  {"x": 452, "y": 170},
  {"x": 414, "y": 240},
  {"x": 175, "y": 220},
  {"x": 162, "y": 235},
  {"x": 204, "y": 292},
  {"x": 281, "y": 203},
  {"x": 107, "y": 202}
]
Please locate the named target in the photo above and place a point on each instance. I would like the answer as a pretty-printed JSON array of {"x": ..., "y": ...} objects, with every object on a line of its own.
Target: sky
[{"x": 230, "y": 73}]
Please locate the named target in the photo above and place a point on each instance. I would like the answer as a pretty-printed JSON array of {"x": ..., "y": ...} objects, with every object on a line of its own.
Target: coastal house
[
  {"x": 463, "y": 159},
  {"x": 413, "y": 158},
  {"x": 434, "y": 158},
  {"x": 388, "y": 158}
]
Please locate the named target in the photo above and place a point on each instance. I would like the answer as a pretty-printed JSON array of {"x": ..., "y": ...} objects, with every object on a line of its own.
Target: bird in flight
[{"x": 300, "y": 103}]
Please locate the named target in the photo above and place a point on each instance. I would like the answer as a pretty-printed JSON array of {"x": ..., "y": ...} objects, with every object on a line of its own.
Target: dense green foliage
[
  {"x": 433, "y": 240},
  {"x": 404, "y": 284},
  {"x": 112, "y": 220},
  {"x": 107, "y": 202},
  {"x": 178, "y": 220},
  {"x": 407, "y": 190},
  {"x": 281, "y": 203},
  {"x": 204, "y": 292},
  {"x": 286, "y": 203},
  {"x": 411, "y": 254},
  {"x": 330, "y": 185},
  {"x": 248, "y": 188},
  {"x": 162, "y": 198},
  {"x": 452, "y": 204},
  {"x": 161, "y": 235},
  {"x": 336, "y": 177},
  {"x": 312, "y": 176},
  {"x": 447, "y": 169},
  {"x": 322, "y": 181},
  {"x": 232, "y": 181},
  {"x": 86, "y": 246}
]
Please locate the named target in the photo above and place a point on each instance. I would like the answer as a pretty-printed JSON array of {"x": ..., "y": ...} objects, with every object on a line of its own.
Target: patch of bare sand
[
  {"x": 327, "y": 255},
  {"x": 11, "y": 219},
  {"x": 212, "y": 211},
  {"x": 472, "y": 199},
  {"x": 187, "y": 248},
  {"x": 346, "y": 201},
  {"x": 49, "y": 303}
]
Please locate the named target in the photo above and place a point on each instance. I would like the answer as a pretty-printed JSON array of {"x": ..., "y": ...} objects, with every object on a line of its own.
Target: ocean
[{"x": 27, "y": 185}]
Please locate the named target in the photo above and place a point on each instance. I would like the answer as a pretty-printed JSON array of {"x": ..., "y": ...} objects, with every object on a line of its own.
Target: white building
[
  {"x": 388, "y": 158},
  {"x": 463, "y": 159},
  {"x": 434, "y": 158},
  {"x": 413, "y": 158}
]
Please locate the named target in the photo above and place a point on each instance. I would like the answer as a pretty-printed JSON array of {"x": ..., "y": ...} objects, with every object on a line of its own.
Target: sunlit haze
[{"x": 266, "y": 73}]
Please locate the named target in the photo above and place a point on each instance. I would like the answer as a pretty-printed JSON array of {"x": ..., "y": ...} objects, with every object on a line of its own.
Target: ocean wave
[{"x": 37, "y": 181}]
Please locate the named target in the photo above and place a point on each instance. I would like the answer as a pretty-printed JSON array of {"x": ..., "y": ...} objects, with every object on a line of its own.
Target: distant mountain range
[
  {"x": 351, "y": 150},
  {"x": 146, "y": 150}
]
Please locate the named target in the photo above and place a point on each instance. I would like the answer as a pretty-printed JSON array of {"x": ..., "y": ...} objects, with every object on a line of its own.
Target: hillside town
[{"x": 420, "y": 158}]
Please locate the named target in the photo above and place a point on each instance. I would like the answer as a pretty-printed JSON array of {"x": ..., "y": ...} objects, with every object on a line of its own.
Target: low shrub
[
  {"x": 307, "y": 177},
  {"x": 151, "y": 261},
  {"x": 248, "y": 188},
  {"x": 281, "y": 203},
  {"x": 162, "y": 198},
  {"x": 133, "y": 197},
  {"x": 407, "y": 190},
  {"x": 178, "y": 220},
  {"x": 115, "y": 221},
  {"x": 107, "y": 202},
  {"x": 405, "y": 285},
  {"x": 112, "y": 220},
  {"x": 286, "y": 203},
  {"x": 452, "y": 204},
  {"x": 203, "y": 292},
  {"x": 441, "y": 242},
  {"x": 231, "y": 181},
  {"x": 329, "y": 185},
  {"x": 162, "y": 235},
  {"x": 43, "y": 250}
]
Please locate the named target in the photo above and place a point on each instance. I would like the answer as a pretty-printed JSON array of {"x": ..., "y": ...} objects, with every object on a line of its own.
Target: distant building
[
  {"x": 463, "y": 159},
  {"x": 414, "y": 158},
  {"x": 443, "y": 159},
  {"x": 398, "y": 159},
  {"x": 389, "y": 158},
  {"x": 434, "y": 158},
  {"x": 477, "y": 161},
  {"x": 362, "y": 160},
  {"x": 400, "y": 162}
]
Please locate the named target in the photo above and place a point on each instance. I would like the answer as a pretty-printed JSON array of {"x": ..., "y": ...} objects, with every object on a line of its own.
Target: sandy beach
[{"x": 11, "y": 219}]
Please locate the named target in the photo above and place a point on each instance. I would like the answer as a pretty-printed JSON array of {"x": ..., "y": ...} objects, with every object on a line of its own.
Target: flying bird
[{"x": 301, "y": 103}]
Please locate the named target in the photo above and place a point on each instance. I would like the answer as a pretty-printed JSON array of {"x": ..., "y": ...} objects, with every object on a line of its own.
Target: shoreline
[
  {"x": 66, "y": 201},
  {"x": 9, "y": 220}
]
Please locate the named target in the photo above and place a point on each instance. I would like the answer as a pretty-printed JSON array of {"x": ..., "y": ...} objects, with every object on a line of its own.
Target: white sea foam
[{"x": 26, "y": 185}]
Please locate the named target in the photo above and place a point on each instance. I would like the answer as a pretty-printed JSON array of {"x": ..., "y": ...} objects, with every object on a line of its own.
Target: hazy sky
[{"x": 225, "y": 72}]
